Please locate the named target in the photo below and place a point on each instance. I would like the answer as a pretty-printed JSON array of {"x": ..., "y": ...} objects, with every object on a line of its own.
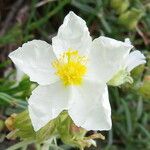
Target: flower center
[{"x": 71, "y": 67}]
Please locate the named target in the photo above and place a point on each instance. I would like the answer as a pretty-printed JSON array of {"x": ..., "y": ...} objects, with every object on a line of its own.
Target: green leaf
[
  {"x": 12, "y": 101},
  {"x": 128, "y": 117},
  {"x": 139, "y": 109},
  {"x": 47, "y": 131},
  {"x": 24, "y": 126}
]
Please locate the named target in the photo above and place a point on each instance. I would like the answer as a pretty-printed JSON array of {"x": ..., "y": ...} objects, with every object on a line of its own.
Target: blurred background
[{"x": 24, "y": 20}]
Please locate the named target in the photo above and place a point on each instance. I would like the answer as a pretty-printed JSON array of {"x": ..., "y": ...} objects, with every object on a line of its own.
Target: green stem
[{"x": 19, "y": 145}]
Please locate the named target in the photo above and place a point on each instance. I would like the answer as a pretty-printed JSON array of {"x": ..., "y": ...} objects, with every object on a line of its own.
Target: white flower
[
  {"x": 72, "y": 75},
  {"x": 132, "y": 60}
]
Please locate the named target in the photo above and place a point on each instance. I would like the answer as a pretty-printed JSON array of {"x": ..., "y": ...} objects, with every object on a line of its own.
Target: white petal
[
  {"x": 106, "y": 57},
  {"x": 134, "y": 59},
  {"x": 46, "y": 102},
  {"x": 89, "y": 107},
  {"x": 73, "y": 33},
  {"x": 34, "y": 59},
  {"x": 19, "y": 74}
]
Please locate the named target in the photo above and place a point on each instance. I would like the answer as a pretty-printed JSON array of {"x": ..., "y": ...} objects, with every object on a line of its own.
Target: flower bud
[
  {"x": 130, "y": 18},
  {"x": 9, "y": 122},
  {"x": 145, "y": 87},
  {"x": 120, "y": 6}
]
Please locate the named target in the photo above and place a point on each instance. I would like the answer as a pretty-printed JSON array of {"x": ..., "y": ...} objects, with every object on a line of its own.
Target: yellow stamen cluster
[{"x": 71, "y": 67}]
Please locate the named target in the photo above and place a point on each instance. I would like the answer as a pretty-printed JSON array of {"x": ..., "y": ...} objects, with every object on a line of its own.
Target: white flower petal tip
[
  {"x": 33, "y": 42},
  {"x": 73, "y": 33},
  {"x": 73, "y": 19},
  {"x": 127, "y": 40},
  {"x": 117, "y": 43},
  {"x": 71, "y": 15},
  {"x": 134, "y": 59},
  {"x": 34, "y": 59}
]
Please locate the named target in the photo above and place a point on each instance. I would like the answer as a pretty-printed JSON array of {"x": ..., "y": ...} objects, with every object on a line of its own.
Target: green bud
[
  {"x": 137, "y": 72},
  {"x": 120, "y": 6},
  {"x": 130, "y": 18},
  {"x": 120, "y": 78},
  {"x": 145, "y": 87}
]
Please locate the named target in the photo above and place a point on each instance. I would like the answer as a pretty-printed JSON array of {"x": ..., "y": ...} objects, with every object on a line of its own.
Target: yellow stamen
[{"x": 71, "y": 67}]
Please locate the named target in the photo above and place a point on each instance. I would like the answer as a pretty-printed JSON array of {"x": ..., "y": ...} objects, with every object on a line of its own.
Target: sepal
[{"x": 121, "y": 77}]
